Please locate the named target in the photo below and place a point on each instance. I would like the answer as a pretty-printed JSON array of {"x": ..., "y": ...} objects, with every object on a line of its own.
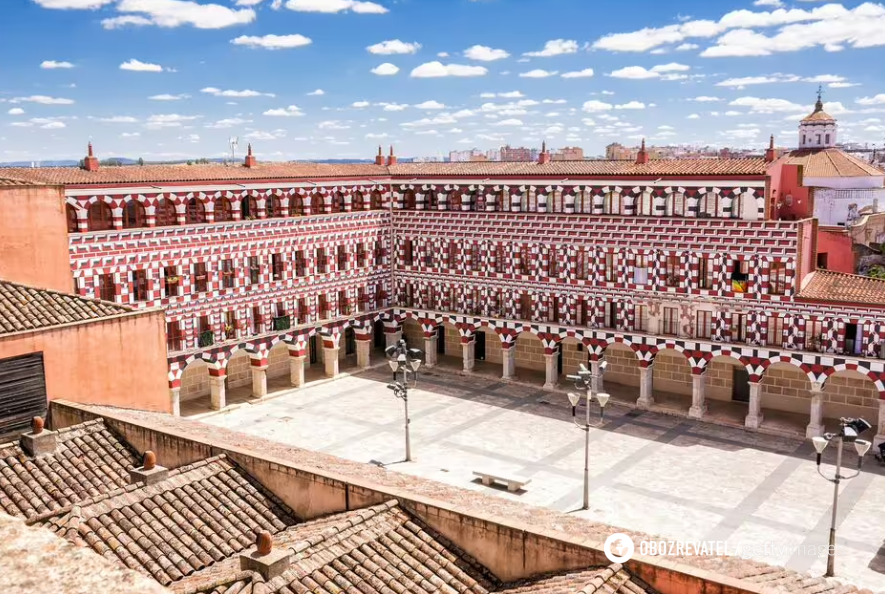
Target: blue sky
[{"x": 305, "y": 79}]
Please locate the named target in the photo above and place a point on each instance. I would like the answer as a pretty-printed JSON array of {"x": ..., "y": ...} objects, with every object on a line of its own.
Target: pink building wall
[
  {"x": 786, "y": 181},
  {"x": 838, "y": 246}
]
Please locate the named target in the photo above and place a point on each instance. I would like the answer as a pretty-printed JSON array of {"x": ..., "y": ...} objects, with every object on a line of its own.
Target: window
[
  {"x": 195, "y": 212},
  {"x": 640, "y": 270},
  {"x": 409, "y": 200},
  {"x": 525, "y": 260},
  {"x": 432, "y": 201},
  {"x": 321, "y": 260},
  {"x": 611, "y": 204},
  {"x": 71, "y": 214},
  {"x": 223, "y": 210},
  {"x": 581, "y": 265},
  {"x": 323, "y": 307},
  {"x": 250, "y": 208},
  {"x": 377, "y": 202},
  {"x": 553, "y": 268},
  {"x": 525, "y": 306},
  {"x": 822, "y": 261},
  {"x": 611, "y": 267},
  {"x": 455, "y": 201},
  {"x": 206, "y": 336},
  {"x": 738, "y": 327},
  {"x": 200, "y": 277},
  {"x": 300, "y": 264},
  {"x": 230, "y": 325},
  {"x": 257, "y": 326},
  {"x": 818, "y": 139},
  {"x": 646, "y": 205},
  {"x": 408, "y": 255},
  {"x": 296, "y": 206},
  {"x": 704, "y": 324},
  {"x": 452, "y": 255},
  {"x": 339, "y": 203},
  {"x": 303, "y": 311},
  {"x": 254, "y": 270},
  {"x": 610, "y": 314},
  {"x": 740, "y": 275},
  {"x": 362, "y": 300},
  {"x": 343, "y": 304},
  {"x": 709, "y": 206},
  {"x": 827, "y": 137},
  {"x": 676, "y": 205},
  {"x": 227, "y": 274},
  {"x": 777, "y": 278},
  {"x": 356, "y": 201},
  {"x": 500, "y": 258},
  {"x": 166, "y": 214},
  {"x": 281, "y": 321},
  {"x": 670, "y": 322},
  {"x": 428, "y": 258},
  {"x": 775, "y": 331},
  {"x": 671, "y": 270},
  {"x": 133, "y": 215},
  {"x": 139, "y": 285},
  {"x": 174, "y": 336},
  {"x": 479, "y": 201},
  {"x": 273, "y": 209},
  {"x": 106, "y": 290},
  {"x": 342, "y": 257},
  {"x": 171, "y": 281},
  {"x": 276, "y": 266},
  {"x": 640, "y": 318},
  {"x": 379, "y": 252},
  {"x": 100, "y": 217},
  {"x": 582, "y": 312},
  {"x": 814, "y": 336},
  {"x": 360, "y": 255},
  {"x": 705, "y": 273}
]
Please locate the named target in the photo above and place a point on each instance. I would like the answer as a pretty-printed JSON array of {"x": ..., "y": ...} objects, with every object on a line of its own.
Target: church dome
[
  {"x": 818, "y": 115},
  {"x": 818, "y": 129}
]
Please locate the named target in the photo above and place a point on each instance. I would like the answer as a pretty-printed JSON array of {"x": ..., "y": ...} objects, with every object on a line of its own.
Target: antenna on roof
[{"x": 234, "y": 143}]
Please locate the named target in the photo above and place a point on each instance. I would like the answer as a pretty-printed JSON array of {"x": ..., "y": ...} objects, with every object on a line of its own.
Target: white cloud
[
  {"x": 394, "y": 46},
  {"x": 175, "y": 13},
  {"x": 118, "y": 120},
  {"x": 333, "y": 125},
  {"x": 586, "y": 73},
  {"x": 774, "y": 3},
  {"x": 441, "y": 119},
  {"x": 442, "y": 55},
  {"x": 374, "y": 135},
  {"x": 228, "y": 123},
  {"x": 431, "y": 105},
  {"x": 393, "y": 106},
  {"x": 705, "y": 99},
  {"x": 693, "y": 116},
  {"x": 874, "y": 100},
  {"x": 842, "y": 85},
  {"x": 686, "y": 47},
  {"x": 170, "y": 120},
  {"x": 743, "y": 133},
  {"x": 438, "y": 69},
  {"x": 317, "y": 93},
  {"x": 778, "y": 78},
  {"x": 386, "y": 69},
  {"x": 168, "y": 97},
  {"x": 272, "y": 42},
  {"x": 484, "y": 53},
  {"x": 130, "y": 134},
  {"x": 596, "y": 106},
  {"x": 510, "y": 122},
  {"x": 665, "y": 127},
  {"x": 767, "y": 105},
  {"x": 43, "y": 100},
  {"x": 335, "y": 6},
  {"x": 290, "y": 111},
  {"x": 52, "y": 64},
  {"x": 237, "y": 94},
  {"x": 53, "y": 125},
  {"x": 632, "y": 105},
  {"x": 360, "y": 104},
  {"x": 138, "y": 66},
  {"x": 538, "y": 73},
  {"x": 554, "y": 101},
  {"x": 16, "y": 111},
  {"x": 659, "y": 71},
  {"x": 73, "y": 4},
  {"x": 555, "y": 47}
]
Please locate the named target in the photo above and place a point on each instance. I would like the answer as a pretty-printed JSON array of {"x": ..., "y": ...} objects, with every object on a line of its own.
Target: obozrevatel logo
[{"x": 618, "y": 548}]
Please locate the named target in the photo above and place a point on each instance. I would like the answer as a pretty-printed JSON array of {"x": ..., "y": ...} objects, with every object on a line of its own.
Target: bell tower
[{"x": 818, "y": 129}]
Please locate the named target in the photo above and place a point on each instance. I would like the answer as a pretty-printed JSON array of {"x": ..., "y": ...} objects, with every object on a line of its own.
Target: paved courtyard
[{"x": 665, "y": 475}]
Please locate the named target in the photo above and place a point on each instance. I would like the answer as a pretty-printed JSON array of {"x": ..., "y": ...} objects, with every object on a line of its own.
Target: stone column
[
  {"x": 217, "y": 392},
  {"x": 646, "y": 381},
  {"x": 392, "y": 338},
  {"x": 596, "y": 383},
  {"x": 175, "y": 398},
  {"x": 430, "y": 344},
  {"x": 259, "y": 381},
  {"x": 816, "y": 422},
  {"x": 330, "y": 358},
  {"x": 698, "y": 404},
  {"x": 468, "y": 349},
  {"x": 296, "y": 370},
  {"x": 508, "y": 351},
  {"x": 880, "y": 433},
  {"x": 551, "y": 371},
  {"x": 754, "y": 414},
  {"x": 363, "y": 347}
]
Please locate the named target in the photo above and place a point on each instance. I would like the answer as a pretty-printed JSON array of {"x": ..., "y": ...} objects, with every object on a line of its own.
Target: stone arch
[
  {"x": 296, "y": 205},
  {"x": 623, "y": 363},
  {"x": 412, "y": 332},
  {"x": 574, "y": 353},
  {"x": 278, "y": 360},
  {"x": 134, "y": 215},
  {"x": 719, "y": 376},
  {"x": 785, "y": 387},
  {"x": 195, "y": 211},
  {"x": 238, "y": 369},
  {"x": 338, "y": 202},
  {"x": 100, "y": 216},
  {"x": 356, "y": 201},
  {"x": 166, "y": 216},
  {"x": 273, "y": 207},
  {"x": 195, "y": 380},
  {"x": 223, "y": 210},
  {"x": 316, "y": 203},
  {"x": 248, "y": 208},
  {"x": 851, "y": 392},
  {"x": 529, "y": 352},
  {"x": 672, "y": 370}
]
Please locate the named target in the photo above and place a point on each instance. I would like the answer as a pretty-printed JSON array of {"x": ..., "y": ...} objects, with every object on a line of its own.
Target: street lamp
[
  {"x": 849, "y": 431},
  {"x": 403, "y": 360},
  {"x": 585, "y": 380}
]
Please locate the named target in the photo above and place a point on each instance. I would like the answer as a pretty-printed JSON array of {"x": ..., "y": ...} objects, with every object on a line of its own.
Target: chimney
[
  {"x": 391, "y": 160},
  {"x": 770, "y": 154},
  {"x": 264, "y": 560},
  {"x": 642, "y": 155},
  {"x": 90, "y": 163},
  {"x": 251, "y": 161},
  {"x": 148, "y": 473},
  {"x": 544, "y": 156},
  {"x": 39, "y": 441},
  {"x": 379, "y": 160}
]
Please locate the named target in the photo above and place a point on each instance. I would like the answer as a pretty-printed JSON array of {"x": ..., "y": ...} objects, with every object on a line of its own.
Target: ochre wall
[
  {"x": 119, "y": 361},
  {"x": 838, "y": 246},
  {"x": 34, "y": 250},
  {"x": 529, "y": 353}
]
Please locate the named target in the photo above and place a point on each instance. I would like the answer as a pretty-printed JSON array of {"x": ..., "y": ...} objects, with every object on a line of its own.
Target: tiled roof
[
  {"x": 201, "y": 514},
  {"x": 13, "y": 182},
  {"x": 88, "y": 460},
  {"x": 825, "y": 285},
  {"x": 385, "y": 549},
  {"x": 819, "y": 116},
  {"x": 280, "y": 171},
  {"x": 831, "y": 162},
  {"x": 25, "y": 308}
]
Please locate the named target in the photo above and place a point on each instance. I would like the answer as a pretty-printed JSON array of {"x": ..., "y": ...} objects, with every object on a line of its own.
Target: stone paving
[{"x": 681, "y": 479}]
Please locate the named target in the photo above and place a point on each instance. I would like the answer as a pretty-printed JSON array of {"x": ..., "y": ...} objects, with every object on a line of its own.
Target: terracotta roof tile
[
  {"x": 831, "y": 162},
  {"x": 825, "y": 285},
  {"x": 25, "y": 308},
  {"x": 294, "y": 171},
  {"x": 88, "y": 460},
  {"x": 14, "y": 182},
  {"x": 819, "y": 116},
  {"x": 201, "y": 514}
]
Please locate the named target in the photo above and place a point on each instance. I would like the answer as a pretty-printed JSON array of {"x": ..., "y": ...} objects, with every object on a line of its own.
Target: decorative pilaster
[
  {"x": 698, "y": 403},
  {"x": 754, "y": 414},
  {"x": 296, "y": 369},
  {"x": 363, "y": 348},
  {"x": 217, "y": 389},
  {"x": 646, "y": 382},
  {"x": 259, "y": 378},
  {"x": 430, "y": 345},
  {"x": 468, "y": 349},
  {"x": 392, "y": 337},
  {"x": 175, "y": 399},
  {"x": 596, "y": 385},
  {"x": 551, "y": 371},
  {"x": 330, "y": 354},
  {"x": 508, "y": 351},
  {"x": 880, "y": 433},
  {"x": 816, "y": 422}
]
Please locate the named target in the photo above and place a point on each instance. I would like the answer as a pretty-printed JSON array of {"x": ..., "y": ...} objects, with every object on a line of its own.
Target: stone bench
[{"x": 513, "y": 483}]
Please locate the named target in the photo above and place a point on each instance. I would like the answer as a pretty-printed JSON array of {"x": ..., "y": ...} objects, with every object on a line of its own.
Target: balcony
[
  {"x": 282, "y": 323},
  {"x": 206, "y": 339}
]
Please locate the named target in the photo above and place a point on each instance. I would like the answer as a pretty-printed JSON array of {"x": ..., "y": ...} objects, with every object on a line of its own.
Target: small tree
[
  {"x": 140, "y": 161},
  {"x": 877, "y": 272}
]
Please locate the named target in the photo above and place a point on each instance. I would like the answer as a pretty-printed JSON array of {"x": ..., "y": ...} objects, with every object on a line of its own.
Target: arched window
[
  {"x": 249, "y": 207},
  {"x": 432, "y": 202},
  {"x": 133, "y": 215},
  {"x": 709, "y": 206},
  {"x": 296, "y": 205},
  {"x": 100, "y": 217},
  {"x": 340, "y": 204},
  {"x": 356, "y": 201},
  {"x": 555, "y": 202},
  {"x": 272, "y": 207},
  {"x": 479, "y": 201},
  {"x": 317, "y": 204},
  {"x": 455, "y": 200},
  {"x": 737, "y": 204},
  {"x": 223, "y": 210},
  {"x": 611, "y": 204},
  {"x": 409, "y": 200},
  {"x": 195, "y": 212},
  {"x": 166, "y": 215},
  {"x": 377, "y": 201},
  {"x": 71, "y": 214},
  {"x": 676, "y": 205},
  {"x": 646, "y": 205}
]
